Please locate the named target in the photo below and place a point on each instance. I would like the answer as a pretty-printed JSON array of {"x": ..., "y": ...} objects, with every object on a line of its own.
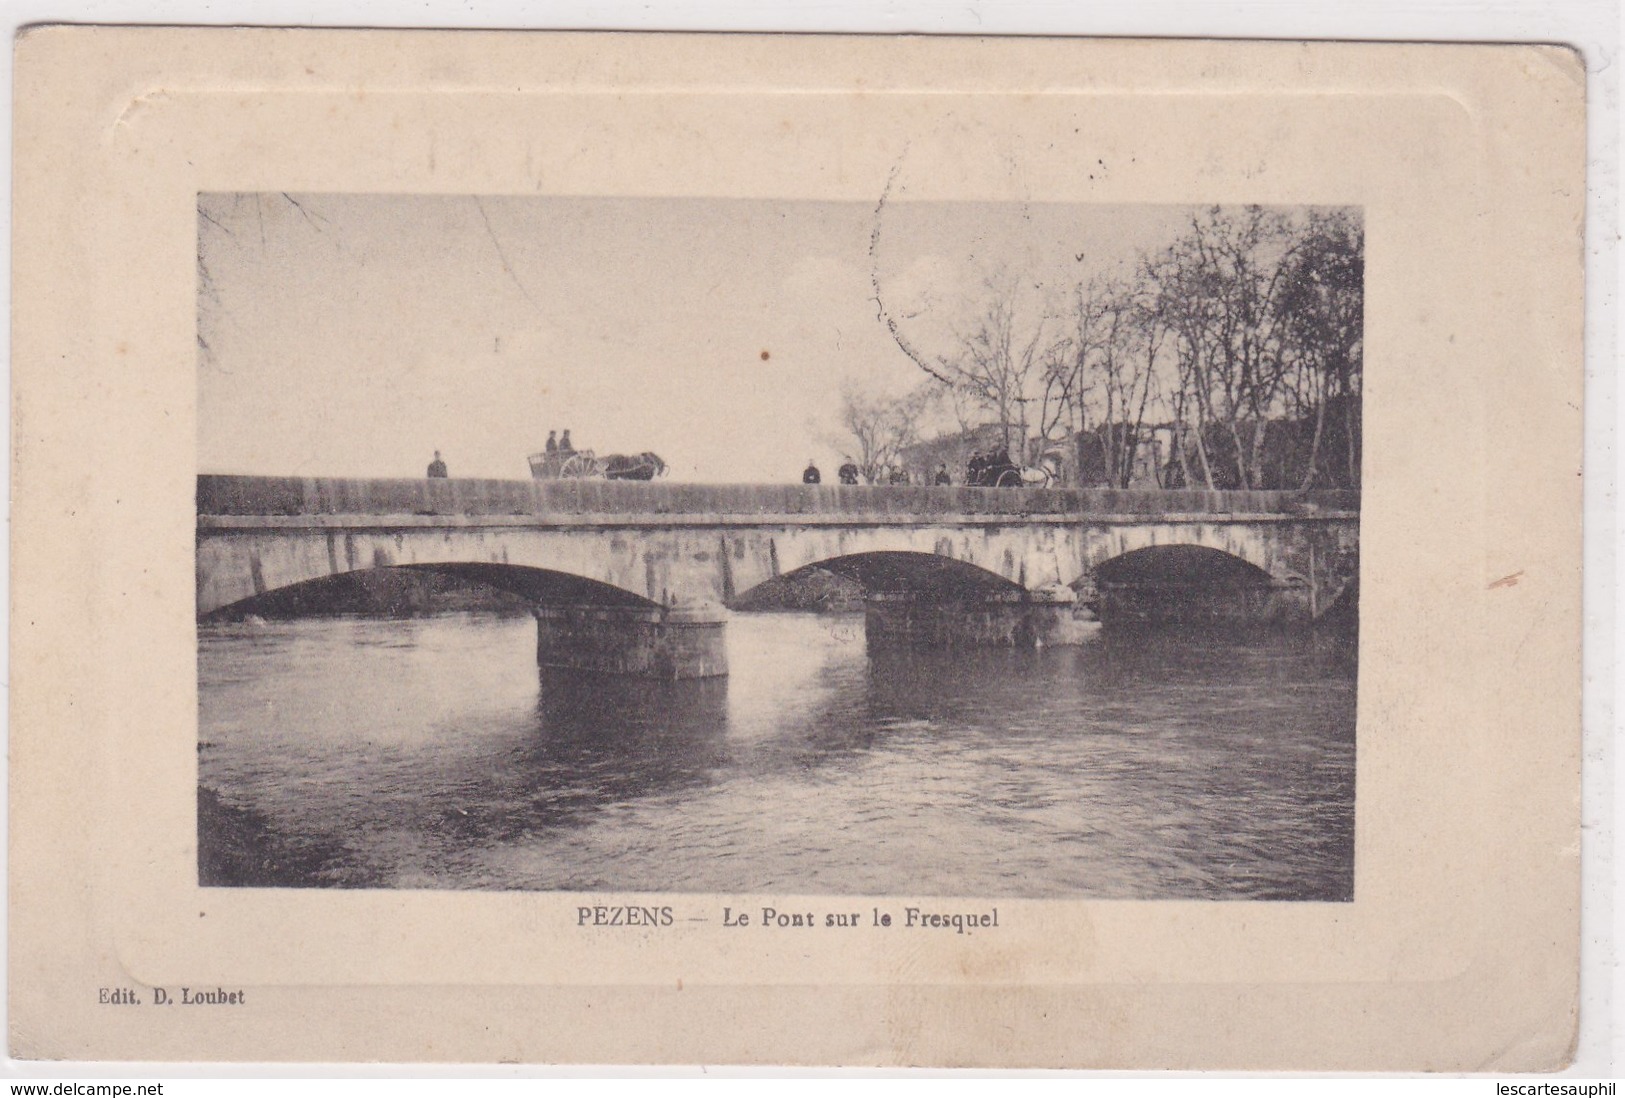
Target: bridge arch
[
  {"x": 1247, "y": 542},
  {"x": 371, "y": 588},
  {"x": 986, "y": 556},
  {"x": 923, "y": 575},
  {"x": 240, "y": 565},
  {"x": 1182, "y": 583},
  {"x": 539, "y": 585},
  {"x": 1180, "y": 565}
]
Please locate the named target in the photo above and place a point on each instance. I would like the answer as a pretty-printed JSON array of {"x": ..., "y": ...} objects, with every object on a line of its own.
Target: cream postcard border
[{"x": 1460, "y": 949}]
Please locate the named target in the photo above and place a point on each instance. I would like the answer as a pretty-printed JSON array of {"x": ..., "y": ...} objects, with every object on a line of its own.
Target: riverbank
[{"x": 238, "y": 847}]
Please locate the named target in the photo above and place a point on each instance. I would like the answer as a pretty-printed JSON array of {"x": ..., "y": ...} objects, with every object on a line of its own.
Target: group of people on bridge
[
  {"x": 982, "y": 469},
  {"x": 849, "y": 472}
]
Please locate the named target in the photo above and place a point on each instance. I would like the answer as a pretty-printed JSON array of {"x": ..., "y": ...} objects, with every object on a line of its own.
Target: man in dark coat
[
  {"x": 552, "y": 442},
  {"x": 942, "y": 474},
  {"x": 437, "y": 468},
  {"x": 810, "y": 475},
  {"x": 565, "y": 445},
  {"x": 848, "y": 473}
]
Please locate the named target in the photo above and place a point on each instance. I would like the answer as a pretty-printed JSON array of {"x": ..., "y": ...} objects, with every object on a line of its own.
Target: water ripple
[{"x": 430, "y": 753}]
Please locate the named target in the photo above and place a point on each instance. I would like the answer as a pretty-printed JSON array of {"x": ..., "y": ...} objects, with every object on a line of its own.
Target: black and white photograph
[
  {"x": 855, "y": 551},
  {"x": 749, "y": 546}
]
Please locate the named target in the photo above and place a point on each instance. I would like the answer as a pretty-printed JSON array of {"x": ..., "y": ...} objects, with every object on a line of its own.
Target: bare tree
[
  {"x": 1117, "y": 341},
  {"x": 1244, "y": 333},
  {"x": 1023, "y": 374},
  {"x": 1020, "y": 373},
  {"x": 1217, "y": 292},
  {"x": 875, "y": 429},
  {"x": 1003, "y": 366},
  {"x": 1323, "y": 309}
]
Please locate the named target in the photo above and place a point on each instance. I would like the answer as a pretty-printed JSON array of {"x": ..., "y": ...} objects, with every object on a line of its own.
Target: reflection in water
[
  {"x": 430, "y": 753},
  {"x": 597, "y": 743}
]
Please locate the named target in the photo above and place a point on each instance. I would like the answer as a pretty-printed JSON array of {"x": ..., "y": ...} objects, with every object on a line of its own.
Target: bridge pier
[
  {"x": 654, "y": 642},
  {"x": 1015, "y": 619}
]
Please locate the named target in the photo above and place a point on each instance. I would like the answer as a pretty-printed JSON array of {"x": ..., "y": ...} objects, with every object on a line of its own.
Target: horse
[
  {"x": 1044, "y": 474},
  {"x": 644, "y": 466}
]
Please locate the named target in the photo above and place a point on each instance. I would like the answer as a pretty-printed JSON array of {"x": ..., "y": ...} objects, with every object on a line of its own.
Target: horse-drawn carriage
[
  {"x": 994, "y": 469},
  {"x": 584, "y": 464}
]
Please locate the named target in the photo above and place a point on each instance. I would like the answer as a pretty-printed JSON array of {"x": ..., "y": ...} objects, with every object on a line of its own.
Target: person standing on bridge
[
  {"x": 942, "y": 474},
  {"x": 437, "y": 468},
  {"x": 810, "y": 474}
]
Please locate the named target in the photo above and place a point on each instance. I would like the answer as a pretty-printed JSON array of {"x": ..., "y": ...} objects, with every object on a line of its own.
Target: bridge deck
[{"x": 219, "y": 495}]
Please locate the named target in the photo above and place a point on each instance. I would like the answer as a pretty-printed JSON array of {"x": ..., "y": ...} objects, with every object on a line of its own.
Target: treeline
[{"x": 1234, "y": 352}]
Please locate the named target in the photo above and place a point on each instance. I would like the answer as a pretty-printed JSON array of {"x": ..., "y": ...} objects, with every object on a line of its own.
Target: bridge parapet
[{"x": 220, "y": 495}]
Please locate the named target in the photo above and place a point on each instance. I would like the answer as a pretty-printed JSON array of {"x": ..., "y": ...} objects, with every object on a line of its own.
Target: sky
[{"x": 354, "y": 335}]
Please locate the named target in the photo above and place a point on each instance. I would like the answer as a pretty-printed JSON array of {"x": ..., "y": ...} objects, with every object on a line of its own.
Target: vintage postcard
[{"x": 583, "y": 548}]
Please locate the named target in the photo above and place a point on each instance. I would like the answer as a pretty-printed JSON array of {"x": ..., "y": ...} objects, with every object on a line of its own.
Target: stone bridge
[{"x": 627, "y": 576}]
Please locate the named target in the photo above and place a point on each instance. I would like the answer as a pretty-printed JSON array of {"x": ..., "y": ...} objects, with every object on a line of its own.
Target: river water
[{"x": 430, "y": 753}]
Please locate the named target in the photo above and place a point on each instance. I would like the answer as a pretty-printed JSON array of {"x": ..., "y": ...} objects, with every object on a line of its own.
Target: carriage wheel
[
  {"x": 578, "y": 466},
  {"x": 1010, "y": 478}
]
